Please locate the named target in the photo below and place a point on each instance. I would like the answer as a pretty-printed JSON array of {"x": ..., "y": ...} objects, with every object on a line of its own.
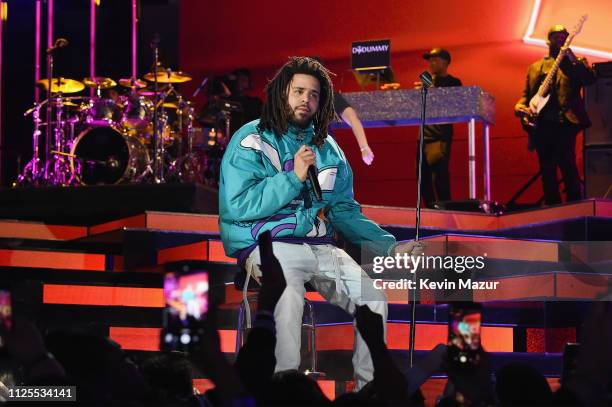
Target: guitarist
[{"x": 561, "y": 119}]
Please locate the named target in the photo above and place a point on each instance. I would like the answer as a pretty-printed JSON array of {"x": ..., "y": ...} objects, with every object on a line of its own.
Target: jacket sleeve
[
  {"x": 524, "y": 99},
  {"x": 346, "y": 217},
  {"x": 578, "y": 71},
  {"x": 247, "y": 191}
]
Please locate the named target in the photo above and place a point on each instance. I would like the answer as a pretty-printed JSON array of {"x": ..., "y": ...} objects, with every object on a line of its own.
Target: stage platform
[
  {"x": 87, "y": 205},
  {"x": 92, "y": 259}
]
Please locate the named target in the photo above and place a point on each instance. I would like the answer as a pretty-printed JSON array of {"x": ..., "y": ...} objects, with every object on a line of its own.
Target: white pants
[{"x": 338, "y": 278}]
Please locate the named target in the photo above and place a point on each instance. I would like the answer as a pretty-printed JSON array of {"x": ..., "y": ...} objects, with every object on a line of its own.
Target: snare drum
[
  {"x": 137, "y": 111},
  {"x": 101, "y": 112}
]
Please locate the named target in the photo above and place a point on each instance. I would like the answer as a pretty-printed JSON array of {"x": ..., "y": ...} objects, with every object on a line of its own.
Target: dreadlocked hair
[{"x": 276, "y": 112}]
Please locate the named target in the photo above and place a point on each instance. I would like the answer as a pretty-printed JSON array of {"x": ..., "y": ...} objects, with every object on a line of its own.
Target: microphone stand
[
  {"x": 48, "y": 113},
  {"x": 427, "y": 82},
  {"x": 158, "y": 164}
]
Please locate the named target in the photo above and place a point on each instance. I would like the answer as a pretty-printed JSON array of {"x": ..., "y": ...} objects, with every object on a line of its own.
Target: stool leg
[
  {"x": 312, "y": 343},
  {"x": 239, "y": 328},
  {"x": 244, "y": 321}
]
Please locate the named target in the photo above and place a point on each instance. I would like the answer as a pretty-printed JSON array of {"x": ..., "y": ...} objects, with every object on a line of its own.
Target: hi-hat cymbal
[
  {"x": 168, "y": 76},
  {"x": 132, "y": 83},
  {"x": 62, "y": 85},
  {"x": 99, "y": 82},
  {"x": 65, "y": 103}
]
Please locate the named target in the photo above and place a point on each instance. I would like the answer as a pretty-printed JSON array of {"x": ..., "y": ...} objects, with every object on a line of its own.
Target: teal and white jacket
[{"x": 259, "y": 191}]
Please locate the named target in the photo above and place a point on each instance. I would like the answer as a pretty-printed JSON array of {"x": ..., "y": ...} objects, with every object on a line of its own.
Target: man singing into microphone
[{"x": 265, "y": 186}]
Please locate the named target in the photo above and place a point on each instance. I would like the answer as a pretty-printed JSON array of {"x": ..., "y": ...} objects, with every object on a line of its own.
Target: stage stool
[{"x": 245, "y": 321}]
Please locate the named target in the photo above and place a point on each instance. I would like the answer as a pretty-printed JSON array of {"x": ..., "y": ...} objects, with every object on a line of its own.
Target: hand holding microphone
[
  {"x": 302, "y": 160},
  {"x": 304, "y": 167}
]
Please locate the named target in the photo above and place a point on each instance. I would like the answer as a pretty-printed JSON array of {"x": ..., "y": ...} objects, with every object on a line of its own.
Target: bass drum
[{"x": 104, "y": 156}]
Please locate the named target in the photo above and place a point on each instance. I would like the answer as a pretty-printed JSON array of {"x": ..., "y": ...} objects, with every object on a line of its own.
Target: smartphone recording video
[
  {"x": 464, "y": 333},
  {"x": 186, "y": 297}
]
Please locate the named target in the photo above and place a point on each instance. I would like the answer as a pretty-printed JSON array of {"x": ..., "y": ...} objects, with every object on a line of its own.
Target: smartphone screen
[
  {"x": 6, "y": 314},
  {"x": 464, "y": 332},
  {"x": 186, "y": 297}
]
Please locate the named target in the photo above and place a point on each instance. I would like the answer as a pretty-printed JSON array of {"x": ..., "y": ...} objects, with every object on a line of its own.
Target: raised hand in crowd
[
  {"x": 255, "y": 361},
  {"x": 210, "y": 359},
  {"x": 389, "y": 383}
]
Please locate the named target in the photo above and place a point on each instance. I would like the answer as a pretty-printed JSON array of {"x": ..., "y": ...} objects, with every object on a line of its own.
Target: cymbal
[
  {"x": 65, "y": 103},
  {"x": 63, "y": 85},
  {"x": 168, "y": 76},
  {"x": 99, "y": 82},
  {"x": 132, "y": 83},
  {"x": 170, "y": 105}
]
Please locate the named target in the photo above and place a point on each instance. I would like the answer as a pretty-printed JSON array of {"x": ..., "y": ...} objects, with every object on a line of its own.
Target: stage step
[
  {"x": 450, "y": 220},
  {"x": 393, "y": 217},
  {"x": 404, "y": 217},
  {"x": 148, "y": 249},
  {"x": 585, "y": 228},
  {"x": 133, "y": 299},
  {"x": 335, "y": 337},
  {"x": 15, "y": 229},
  {"x": 73, "y": 260},
  {"x": 521, "y": 269},
  {"x": 139, "y": 251}
]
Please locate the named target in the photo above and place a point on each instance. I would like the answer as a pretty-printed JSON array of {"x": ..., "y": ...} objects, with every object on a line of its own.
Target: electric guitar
[{"x": 540, "y": 99}]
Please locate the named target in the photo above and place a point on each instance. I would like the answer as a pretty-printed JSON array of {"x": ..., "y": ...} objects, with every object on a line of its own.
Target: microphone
[
  {"x": 59, "y": 43},
  {"x": 426, "y": 79},
  {"x": 200, "y": 87},
  {"x": 314, "y": 181}
]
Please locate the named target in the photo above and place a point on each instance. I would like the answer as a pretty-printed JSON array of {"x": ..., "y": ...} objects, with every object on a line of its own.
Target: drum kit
[{"x": 126, "y": 131}]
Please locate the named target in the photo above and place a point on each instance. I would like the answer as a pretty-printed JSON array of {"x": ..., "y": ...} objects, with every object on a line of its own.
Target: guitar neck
[{"x": 547, "y": 83}]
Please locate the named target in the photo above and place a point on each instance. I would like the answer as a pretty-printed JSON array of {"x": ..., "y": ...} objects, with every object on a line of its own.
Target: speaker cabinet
[
  {"x": 598, "y": 98},
  {"x": 598, "y": 172}
]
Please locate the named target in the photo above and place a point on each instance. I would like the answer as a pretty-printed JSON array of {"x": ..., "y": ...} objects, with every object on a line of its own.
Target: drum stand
[
  {"x": 31, "y": 174},
  {"x": 158, "y": 140},
  {"x": 188, "y": 165},
  {"x": 154, "y": 171},
  {"x": 174, "y": 168},
  {"x": 61, "y": 173}
]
